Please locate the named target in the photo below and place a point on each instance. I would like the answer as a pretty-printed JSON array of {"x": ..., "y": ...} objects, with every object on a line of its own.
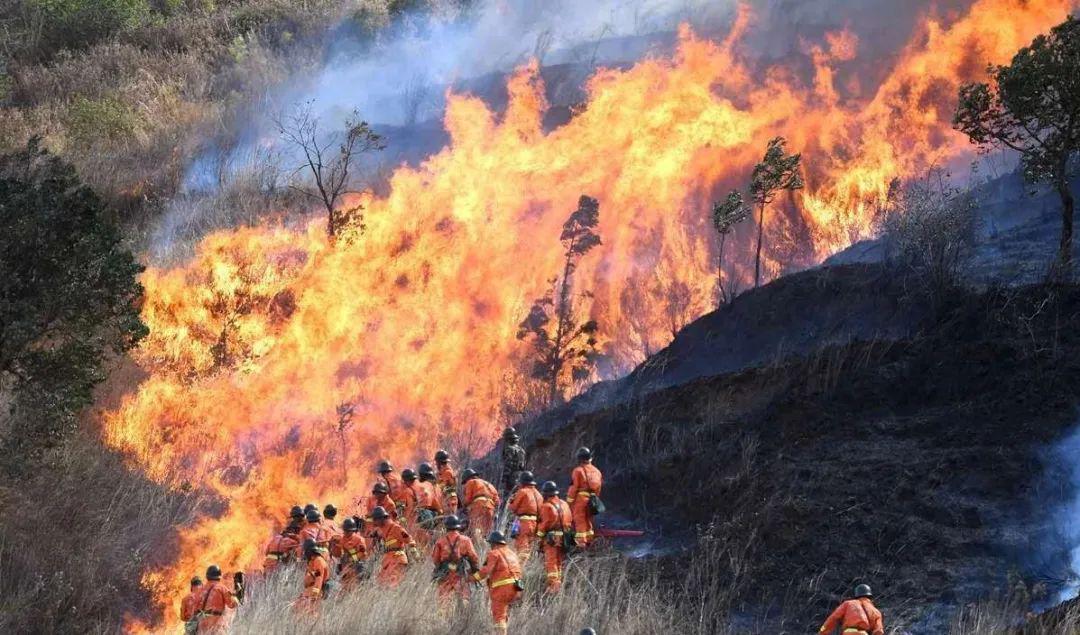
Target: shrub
[
  {"x": 77, "y": 24},
  {"x": 107, "y": 118}
]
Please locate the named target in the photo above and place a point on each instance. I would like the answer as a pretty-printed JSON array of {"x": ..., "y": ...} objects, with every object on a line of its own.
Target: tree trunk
[
  {"x": 757, "y": 257},
  {"x": 720, "y": 273},
  {"x": 1067, "y": 212}
]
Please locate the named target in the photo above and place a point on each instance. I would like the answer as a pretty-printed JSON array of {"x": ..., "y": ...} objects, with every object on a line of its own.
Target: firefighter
[
  {"x": 213, "y": 601},
  {"x": 316, "y": 577},
  {"x": 555, "y": 520},
  {"x": 380, "y": 497},
  {"x": 585, "y": 482},
  {"x": 296, "y": 517},
  {"x": 354, "y": 554},
  {"x": 526, "y": 506},
  {"x": 396, "y": 542},
  {"x": 393, "y": 482},
  {"x": 408, "y": 498},
  {"x": 429, "y": 504},
  {"x": 281, "y": 548},
  {"x": 502, "y": 570},
  {"x": 330, "y": 514},
  {"x": 190, "y": 604},
  {"x": 480, "y": 500},
  {"x": 317, "y": 531},
  {"x": 447, "y": 481},
  {"x": 513, "y": 459},
  {"x": 857, "y": 616},
  {"x": 454, "y": 555}
]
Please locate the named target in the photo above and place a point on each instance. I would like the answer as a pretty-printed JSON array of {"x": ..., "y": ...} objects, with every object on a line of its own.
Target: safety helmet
[
  {"x": 511, "y": 435},
  {"x": 442, "y": 456},
  {"x": 408, "y": 475},
  {"x": 310, "y": 546},
  {"x": 296, "y": 512},
  {"x": 213, "y": 573},
  {"x": 427, "y": 473},
  {"x": 309, "y": 507},
  {"x": 312, "y": 516},
  {"x": 379, "y": 513},
  {"x": 196, "y": 581},
  {"x": 349, "y": 525},
  {"x": 384, "y": 467},
  {"x": 549, "y": 488},
  {"x": 380, "y": 488},
  {"x": 526, "y": 478},
  {"x": 863, "y": 591},
  {"x": 452, "y": 523},
  {"x": 329, "y": 511},
  {"x": 468, "y": 473},
  {"x": 496, "y": 538},
  {"x": 587, "y": 631},
  {"x": 584, "y": 453}
]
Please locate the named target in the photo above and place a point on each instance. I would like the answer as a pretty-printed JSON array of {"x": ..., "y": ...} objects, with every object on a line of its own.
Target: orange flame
[{"x": 257, "y": 341}]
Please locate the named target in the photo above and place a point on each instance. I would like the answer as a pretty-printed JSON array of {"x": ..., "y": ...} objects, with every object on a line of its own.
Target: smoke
[{"x": 1066, "y": 470}]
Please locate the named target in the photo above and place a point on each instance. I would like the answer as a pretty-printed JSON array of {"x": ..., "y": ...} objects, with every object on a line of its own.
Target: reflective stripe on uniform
[
  {"x": 480, "y": 498},
  {"x": 855, "y": 630},
  {"x": 526, "y": 517},
  {"x": 503, "y": 582},
  {"x": 554, "y": 574}
]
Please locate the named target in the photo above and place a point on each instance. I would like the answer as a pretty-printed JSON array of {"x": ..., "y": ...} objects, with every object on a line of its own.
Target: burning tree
[
  {"x": 565, "y": 347},
  {"x": 726, "y": 214},
  {"x": 777, "y": 172},
  {"x": 1033, "y": 107},
  {"x": 329, "y": 166}
]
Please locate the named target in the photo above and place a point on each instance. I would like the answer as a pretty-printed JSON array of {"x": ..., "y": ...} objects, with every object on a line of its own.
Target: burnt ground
[{"x": 917, "y": 463}]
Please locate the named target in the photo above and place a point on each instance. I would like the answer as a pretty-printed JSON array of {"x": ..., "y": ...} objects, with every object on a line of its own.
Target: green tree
[
  {"x": 1032, "y": 106},
  {"x": 565, "y": 347},
  {"x": 69, "y": 297},
  {"x": 726, "y": 215},
  {"x": 777, "y": 172}
]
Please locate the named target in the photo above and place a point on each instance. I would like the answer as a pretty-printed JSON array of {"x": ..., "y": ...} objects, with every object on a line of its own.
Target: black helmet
[
  {"x": 496, "y": 538},
  {"x": 296, "y": 512},
  {"x": 380, "y": 488},
  {"x": 310, "y": 547},
  {"x": 452, "y": 523},
  {"x": 349, "y": 525},
  {"x": 587, "y": 631},
  {"x": 196, "y": 581},
  {"x": 312, "y": 516},
  {"x": 526, "y": 478},
  {"x": 408, "y": 475},
  {"x": 329, "y": 511},
  {"x": 309, "y": 507},
  {"x": 549, "y": 488},
  {"x": 467, "y": 474},
  {"x": 442, "y": 456},
  {"x": 510, "y": 434},
  {"x": 384, "y": 467},
  {"x": 379, "y": 513},
  {"x": 427, "y": 473},
  {"x": 213, "y": 573},
  {"x": 584, "y": 453},
  {"x": 863, "y": 591}
]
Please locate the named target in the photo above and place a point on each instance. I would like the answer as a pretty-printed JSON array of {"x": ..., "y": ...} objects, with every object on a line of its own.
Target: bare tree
[
  {"x": 414, "y": 97},
  {"x": 330, "y": 157},
  {"x": 777, "y": 172},
  {"x": 726, "y": 215}
]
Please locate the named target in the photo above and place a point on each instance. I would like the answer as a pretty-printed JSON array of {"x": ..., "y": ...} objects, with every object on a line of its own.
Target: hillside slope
[{"x": 917, "y": 463}]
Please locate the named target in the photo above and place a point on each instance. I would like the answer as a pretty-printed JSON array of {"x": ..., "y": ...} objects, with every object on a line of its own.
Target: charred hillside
[{"x": 915, "y": 461}]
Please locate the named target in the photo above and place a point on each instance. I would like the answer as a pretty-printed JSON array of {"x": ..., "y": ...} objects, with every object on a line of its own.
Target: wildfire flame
[{"x": 257, "y": 341}]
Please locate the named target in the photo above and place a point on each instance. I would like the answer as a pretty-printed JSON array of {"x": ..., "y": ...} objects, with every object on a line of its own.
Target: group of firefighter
[
  {"x": 403, "y": 516},
  {"x": 424, "y": 509}
]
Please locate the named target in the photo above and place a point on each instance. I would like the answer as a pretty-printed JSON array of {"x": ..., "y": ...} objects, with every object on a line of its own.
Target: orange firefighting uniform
[
  {"x": 555, "y": 519},
  {"x": 856, "y": 617},
  {"x": 190, "y": 604},
  {"x": 281, "y": 548},
  {"x": 501, "y": 570},
  {"x": 427, "y": 497},
  {"x": 380, "y": 500},
  {"x": 447, "y": 482},
  {"x": 452, "y": 549},
  {"x": 352, "y": 549},
  {"x": 318, "y": 572},
  {"x": 213, "y": 600},
  {"x": 481, "y": 499},
  {"x": 395, "y": 541},
  {"x": 584, "y": 481},
  {"x": 321, "y": 532},
  {"x": 526, "y": 506},
  {"x": 394, "y": 482},
  {"x": 408, "y": 499}
]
